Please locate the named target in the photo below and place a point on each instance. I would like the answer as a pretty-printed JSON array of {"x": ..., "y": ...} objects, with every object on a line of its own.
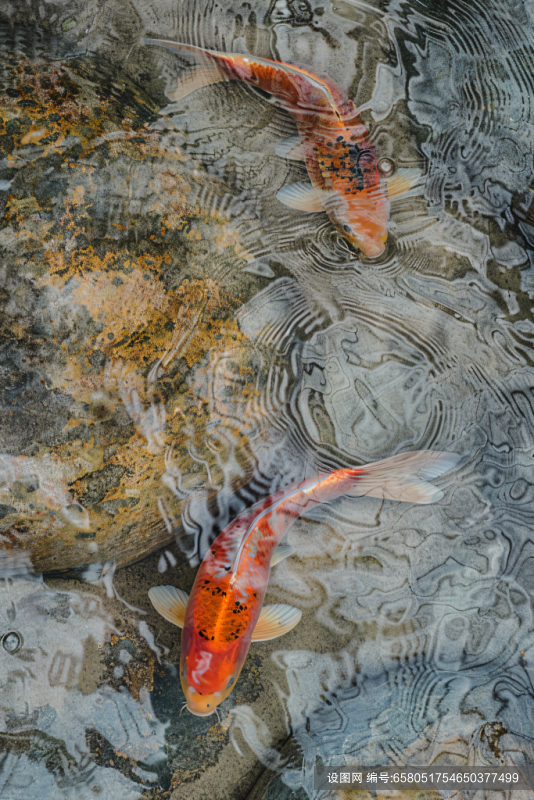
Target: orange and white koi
[
  {"x": 224, "y": 612},
  {"x": 348, "y": 181}
]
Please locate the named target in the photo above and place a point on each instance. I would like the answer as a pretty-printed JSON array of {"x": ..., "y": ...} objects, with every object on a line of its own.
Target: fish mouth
[
  {"x": 200, "y": 713},
  {"x": 373, "y": 251}
]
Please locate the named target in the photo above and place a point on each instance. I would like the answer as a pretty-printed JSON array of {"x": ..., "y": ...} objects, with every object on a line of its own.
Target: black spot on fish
[{"x": 339, "y": 139}]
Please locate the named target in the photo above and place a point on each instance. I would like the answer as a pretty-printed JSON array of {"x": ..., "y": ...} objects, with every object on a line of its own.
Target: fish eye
[
  {"x": 346, "y": 228},
  {"x": 386, "y": 166}
]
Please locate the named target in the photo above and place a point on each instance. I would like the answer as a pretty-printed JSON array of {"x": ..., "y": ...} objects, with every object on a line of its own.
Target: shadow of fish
[
  {"x": 347, "y": 179},
  {"x": 224, "y": 613}
]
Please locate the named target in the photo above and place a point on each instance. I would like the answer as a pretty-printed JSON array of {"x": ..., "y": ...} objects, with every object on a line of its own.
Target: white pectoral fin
[
  {"x": 404, "y": 181},
  {"x": 170, "y": 603},
  {"x": 292, "y": 148},
  {"x": 275, "y": 620},
  {"x": 281, "y": 552},
  {"x": 303, "y": 197}
]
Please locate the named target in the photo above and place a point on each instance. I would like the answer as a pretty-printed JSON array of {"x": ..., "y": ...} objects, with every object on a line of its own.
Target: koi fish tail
[
  {"x": 293, "y": 87},
  {"x": 404, "y": 477},
  {"x": 203, "y": 68}
]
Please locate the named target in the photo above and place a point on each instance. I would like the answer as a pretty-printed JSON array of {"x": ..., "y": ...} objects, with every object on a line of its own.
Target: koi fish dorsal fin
[
  {"x": 275, "y": 620},
  {"x": 170, "y": 602},
  {"x": 303, "y": 197},
  {"x": 404, "y": 477},
  {"x": 281, "y": 552}
]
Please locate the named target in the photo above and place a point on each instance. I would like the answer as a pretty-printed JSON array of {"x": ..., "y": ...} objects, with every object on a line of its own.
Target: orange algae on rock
[{"x": 116, "y": 310}]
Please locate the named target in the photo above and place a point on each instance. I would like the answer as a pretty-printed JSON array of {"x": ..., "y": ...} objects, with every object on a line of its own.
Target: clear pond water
[{"x": 176, "y": 344}]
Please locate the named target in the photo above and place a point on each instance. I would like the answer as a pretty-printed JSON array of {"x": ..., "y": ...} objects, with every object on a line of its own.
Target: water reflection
[
  {"x": 256, "y": 349},
  {"x": 53, "y": 655}
]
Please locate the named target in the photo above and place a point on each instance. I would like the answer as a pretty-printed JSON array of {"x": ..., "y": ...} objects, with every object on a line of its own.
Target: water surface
[{"x": 176, "y": 345}]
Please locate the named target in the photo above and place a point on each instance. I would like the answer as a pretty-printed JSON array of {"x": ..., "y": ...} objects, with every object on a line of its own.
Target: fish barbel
[
  {"x": 347, "y": 179},
  {"x": 224, "y": 612}
]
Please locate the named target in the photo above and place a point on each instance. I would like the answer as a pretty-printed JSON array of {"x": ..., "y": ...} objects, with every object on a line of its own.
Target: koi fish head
[
  {"x": 209, "y": 671},
  {"x": 202, "y": 704},
  {"x": 371, "y": 243}
]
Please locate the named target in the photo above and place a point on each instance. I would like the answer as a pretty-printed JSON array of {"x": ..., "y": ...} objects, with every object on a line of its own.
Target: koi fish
[
  {"x": 346, "y": 178},
  {"x": 224, "y": 612}
]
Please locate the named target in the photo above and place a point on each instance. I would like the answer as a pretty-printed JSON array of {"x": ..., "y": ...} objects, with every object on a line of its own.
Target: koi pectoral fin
[
  {"x": 302, "y": 196},
  {"x": 274, "y": 621},
  {"x": 403, "y": 181},
  {"x": 170, "y": 602},
  {"x": 292, "y": 148},
  {"x": 281, "y": 552}
]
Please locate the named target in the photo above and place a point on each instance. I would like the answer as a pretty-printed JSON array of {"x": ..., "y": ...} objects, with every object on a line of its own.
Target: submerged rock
[{"x": 107, "y": 306}]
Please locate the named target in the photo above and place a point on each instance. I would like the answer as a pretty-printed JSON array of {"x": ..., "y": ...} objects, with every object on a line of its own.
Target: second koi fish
[
  {"x": 347, "y": 179},
  {"x": 224, "y": 613}
]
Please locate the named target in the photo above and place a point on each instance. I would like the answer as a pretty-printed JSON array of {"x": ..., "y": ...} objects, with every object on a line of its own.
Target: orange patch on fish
[{"x": 218, "y": 617}]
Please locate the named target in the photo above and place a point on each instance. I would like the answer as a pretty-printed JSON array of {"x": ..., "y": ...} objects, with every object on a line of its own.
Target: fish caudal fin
[
  {"x": 292, "y": 148},
  {"x": 204, "y": 69},
  {"x": 404, "y": 477},
  {"x": 170, "y": 602},
  {"x": 194, "y": 79},
  {"x": 281, "y": 552},
  {"x": 302, "y": 196},
  {"x": 274, "y": 621}
]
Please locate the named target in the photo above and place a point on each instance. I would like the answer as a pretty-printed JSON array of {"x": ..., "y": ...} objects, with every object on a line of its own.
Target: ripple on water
[{"x": 418, "y": 632}]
